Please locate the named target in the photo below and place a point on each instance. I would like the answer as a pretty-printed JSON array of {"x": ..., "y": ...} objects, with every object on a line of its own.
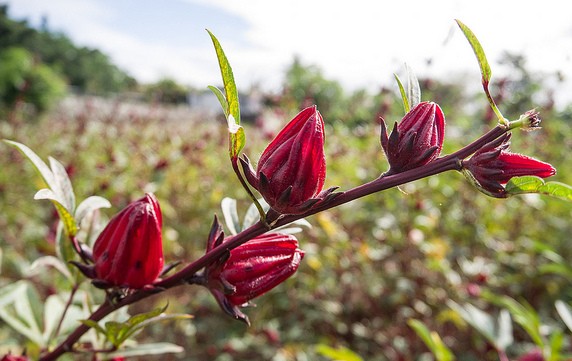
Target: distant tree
[
  {"x": 167, "y": 91},
  {"x": 24, "y": 79},
  {"x": 86, "y": 70}
]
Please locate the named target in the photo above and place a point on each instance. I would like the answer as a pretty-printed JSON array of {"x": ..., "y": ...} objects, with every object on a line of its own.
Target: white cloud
[{"x": 360, "y": 42}]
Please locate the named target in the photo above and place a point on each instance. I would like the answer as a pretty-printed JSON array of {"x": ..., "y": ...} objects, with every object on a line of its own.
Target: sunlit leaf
[
  {"x": 478, "y": 50},
  {"x": 42, "y": 168},
  {"x": 413, "y": 88},
  {"x": 221, "y": 99},
  {"x": 504, "y": 334},
  {"x": 337, "y": 354},
  {"x": 70, "y": 226},
  {"x": 18, "y": 310},
  {"x": 64, "y": 187},
  {"x": 38, "y": 266},
  {"x": 237, "y": 138},
  {"x": 532, "y": 184},
  {"x": 403, "y": 93}
]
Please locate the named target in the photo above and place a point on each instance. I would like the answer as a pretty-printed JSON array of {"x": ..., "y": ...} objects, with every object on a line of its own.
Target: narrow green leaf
[
  {"x": 37, "y": 267},
  {"x": 338, "y": 354},
  {"x": 11, "y": 292},
  {"x": 404, "y": 98},
  {"x": 237, "y": 136},
  {"x": 556, "y": 344},
  {"x": 413, "y": 88},
  {"x": 532, "y": 184},
  {"x": 479, "y": 320},
  {"x": 42, "y": 168},
  {"x": 94, "y": 325},
  {"x": 478, "y": 50},
  {"x": 221, "y": 98}
]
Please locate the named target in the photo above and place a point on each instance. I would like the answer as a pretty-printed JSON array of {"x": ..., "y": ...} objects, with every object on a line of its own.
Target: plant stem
[{"x": 440, "y": 165}]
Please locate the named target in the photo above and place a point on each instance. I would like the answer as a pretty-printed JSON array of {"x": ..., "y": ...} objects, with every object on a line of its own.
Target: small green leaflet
[
  {"x": 229, "y": 101},
  {"x": 531, "y": 184},
  {"x": 337, "y": 354},
  {"x": 412, "y": 95},
  {"x": 479, "y": 52}
]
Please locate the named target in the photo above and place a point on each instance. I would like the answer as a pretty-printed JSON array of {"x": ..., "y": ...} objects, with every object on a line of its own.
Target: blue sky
[{"x": 360, "y": 43}]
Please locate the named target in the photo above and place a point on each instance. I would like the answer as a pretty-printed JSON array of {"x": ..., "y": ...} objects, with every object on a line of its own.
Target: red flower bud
[
  {"x": 416, "y": 140},
  {"x": 533, "y": 355},
  {"x": 10, "y": 357},
  {"x": 492, "y": 166},
  {"x": 253, "y": 269},
  {"x": 292, "y": 169},
  {"x": 129, "y": 250}
]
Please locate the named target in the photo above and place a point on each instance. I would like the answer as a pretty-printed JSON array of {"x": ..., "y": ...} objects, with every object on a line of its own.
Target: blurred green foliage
[{"x": 370, "y": 266}]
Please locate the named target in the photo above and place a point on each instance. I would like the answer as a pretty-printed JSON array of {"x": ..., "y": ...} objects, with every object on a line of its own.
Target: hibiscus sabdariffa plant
[{"x": 126, "y": 259}]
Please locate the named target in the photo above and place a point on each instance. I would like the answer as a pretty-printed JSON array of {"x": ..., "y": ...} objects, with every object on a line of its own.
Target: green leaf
[
  {"x": 232, "y": 111},
  {"x": 144, "y": 349},
  {"x": 478, "y": 50},
  {"x": 432, "y": 340},
  {"x": 413, "y": 88},
  {"x": 532, "y": 184},
  {"x": 338, "y": 354},
  {"x": 504, "y": 336},
  {"x": 524, "y": 315},
  {"x": 64, "y": 186},
  {"x": 50, "y": 261},
  {"x": 221, "y": 98},
  {"x": 479, "y": 320},
  {"x": 44, "y": 171},
  {"x": 18, "y": 305},
  {"x": 94, "y": 325},
  {"x": 404, "y": 98}
]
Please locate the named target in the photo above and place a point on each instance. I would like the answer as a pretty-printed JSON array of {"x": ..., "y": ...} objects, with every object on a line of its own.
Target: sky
[{"x": 360, "y": 43}]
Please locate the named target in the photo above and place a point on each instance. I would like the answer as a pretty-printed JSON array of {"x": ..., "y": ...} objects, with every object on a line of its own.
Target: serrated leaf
[
  {"x": 230, "y": 215},
  {"x": 478, "y": 50},
  {"x": 532, "y": 184},
  {"x": 565, "y": 313},
  {"x": 338, "y": 354},
  {"x": 144, "y": 349},
  {"x": 404, "y": 99},
  {"x": 413, "y": 88},
  {"x": 90, "y": 204},
  {"x": 221, "y": 99}
]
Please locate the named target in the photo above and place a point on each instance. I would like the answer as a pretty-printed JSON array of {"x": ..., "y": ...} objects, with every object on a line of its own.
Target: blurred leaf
[
  {"x": 524, "y": 315},
  {"x": 252, "y": 214},
  {"x": 144, "y": 349},
  {"x": 89, "y": 205},
  {"x": 565, "y": 313},
  {"x": 478, "y": 50},
  {"x": 556, "y": 344},
  {"x": 337, "y": 354},
  {"x": 50, "y": 261},
  {"x": 404, "y": 98},
  {"x": 504, "y": 336},
  {"x": 413, "y": 89},
  {"x": 230, "y": 214},
  {"x": 531, "y": 184},
  {"x": 432, "y": 340},
  {"x": 20, "y": 316}
]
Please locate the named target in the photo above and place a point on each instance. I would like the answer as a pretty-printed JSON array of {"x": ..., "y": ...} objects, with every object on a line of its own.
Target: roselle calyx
[
  {"x": 251, "y": 269},
  {"x": 416, "y": 140},
  {"x": 291, "y": 171},
  {"x": 492, "y": 167},
  {"x": 129, "y": 251}
]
